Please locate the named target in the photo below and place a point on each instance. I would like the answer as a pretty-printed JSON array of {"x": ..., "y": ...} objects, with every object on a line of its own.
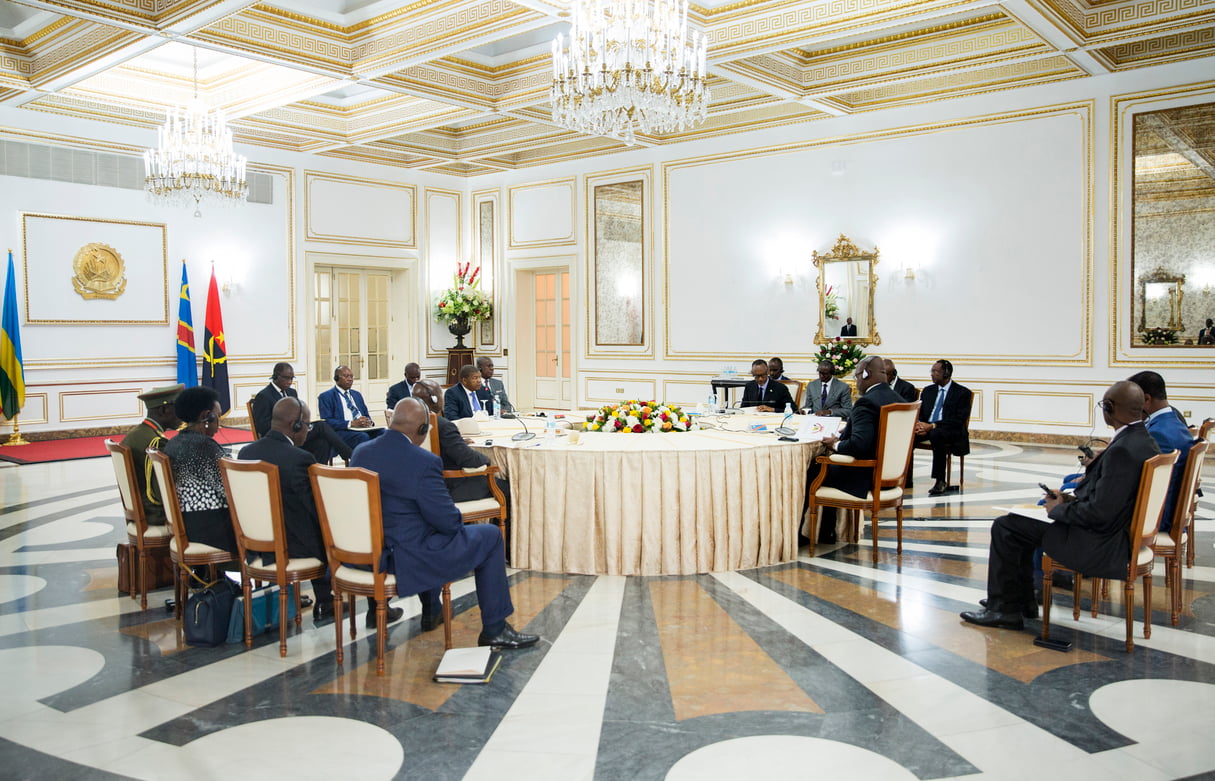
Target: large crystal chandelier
[
  {"x": 630, "y": 66},
  {"x": 194, "y": 160}
]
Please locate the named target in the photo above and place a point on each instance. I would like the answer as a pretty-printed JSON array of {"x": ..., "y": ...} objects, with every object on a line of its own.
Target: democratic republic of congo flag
[
  {"x": 215, "y": 349},
  {"x": 187, "y": 361},
  {"x": 12, "y": 372}
]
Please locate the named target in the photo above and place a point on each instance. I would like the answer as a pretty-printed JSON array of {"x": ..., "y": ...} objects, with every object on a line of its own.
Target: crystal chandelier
[
  {"x": 630, "y": 66},
  {"x": 194, "y": 159}
]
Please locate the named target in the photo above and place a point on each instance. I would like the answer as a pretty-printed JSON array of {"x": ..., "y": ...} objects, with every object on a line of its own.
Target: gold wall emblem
[{"x": 99, "y": 272}]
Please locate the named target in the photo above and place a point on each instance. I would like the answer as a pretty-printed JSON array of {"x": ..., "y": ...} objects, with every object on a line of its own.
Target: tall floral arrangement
[
  {"x": 638, "y": 417},
  {"x": 844, "y": 354},
  {"x": 831, "y": 304},
  {"x": 463, "y": 301}
]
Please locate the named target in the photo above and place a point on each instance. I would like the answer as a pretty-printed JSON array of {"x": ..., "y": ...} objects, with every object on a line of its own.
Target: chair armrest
[
  {"x": 475, "y": 470},
  {"x": 836, "y": 459},
  {"x": 840, "y": 458}
]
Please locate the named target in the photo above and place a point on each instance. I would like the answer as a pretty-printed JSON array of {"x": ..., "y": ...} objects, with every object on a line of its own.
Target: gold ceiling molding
[
  {"x": 1095, "y": 24},
  {"x": 51, "y": 29},
  {"x": 968, "y": 81},
  {"x": 804, "y": 56},
  {"x": 1166, "y": 48}
]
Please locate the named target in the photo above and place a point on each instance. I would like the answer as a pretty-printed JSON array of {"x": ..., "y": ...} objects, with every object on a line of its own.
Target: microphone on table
[
  {"x": 784, "y": 430},
  {"x": 523, "y": 435}
]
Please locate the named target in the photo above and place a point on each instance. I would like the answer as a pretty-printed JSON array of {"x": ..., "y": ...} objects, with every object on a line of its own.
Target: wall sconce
[{"x": 909, "y": 273}]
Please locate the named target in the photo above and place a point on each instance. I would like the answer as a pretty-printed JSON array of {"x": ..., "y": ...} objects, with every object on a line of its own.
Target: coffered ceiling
[{"x": 461, "y": 86}]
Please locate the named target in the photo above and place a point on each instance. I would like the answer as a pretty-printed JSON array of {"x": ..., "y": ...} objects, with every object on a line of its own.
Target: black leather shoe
[
  {"x": 508, "y": 638},
  {"x": 938, "y": 488},
  {"x": 392, "y": 614},
  {"x": 1063, "y": 580},
  {"x": 431, "y": 622},
  {"x": 826, "y": 538},
  {"x": 1028, "y": 612},
  {"x": 994, "y": 618},
  {"x": 322, "y": 613}
]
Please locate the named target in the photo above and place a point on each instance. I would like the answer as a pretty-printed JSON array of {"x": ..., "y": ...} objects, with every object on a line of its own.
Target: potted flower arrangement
[
  {"x": 638, "y": 417},
  {"x": 1160, "y": 336},
  {"x": 463, "y": 302},
  {"x": 843, "y": 354},
  {"x": 831, "y": 304}
]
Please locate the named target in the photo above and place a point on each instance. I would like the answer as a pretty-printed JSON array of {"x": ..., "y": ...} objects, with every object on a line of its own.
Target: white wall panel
[
  {"x": 542, "y": 214},
  {"x": 601, "y": 389},
  {"x": 346, "y": 210},
  {"x": 1052, "y": 408},
  {"x": 443, "y": 252},
  {"x": 94, "y": 405}
]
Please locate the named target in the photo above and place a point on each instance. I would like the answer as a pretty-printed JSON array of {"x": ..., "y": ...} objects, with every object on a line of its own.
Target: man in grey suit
[
  {"x": 492, "y": 388},
  {"x": 828, "y": 396}
]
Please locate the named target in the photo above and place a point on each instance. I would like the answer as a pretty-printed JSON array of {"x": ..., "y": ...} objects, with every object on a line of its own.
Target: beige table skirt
[{"x": 654, "y": 504}]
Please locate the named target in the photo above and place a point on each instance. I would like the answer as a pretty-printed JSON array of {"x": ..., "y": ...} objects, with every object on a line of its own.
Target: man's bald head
[
  {"x": 869, "y": 372},
  {"x": 429, "y": 393},
  {"x": 410, "y": 417},
  {"x": 1122, "y": 404},
  {"x": 286, "y": 412}
]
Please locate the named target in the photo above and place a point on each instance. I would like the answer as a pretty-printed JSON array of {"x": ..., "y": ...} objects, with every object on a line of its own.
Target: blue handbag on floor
[{"x": 263, "y": 614}]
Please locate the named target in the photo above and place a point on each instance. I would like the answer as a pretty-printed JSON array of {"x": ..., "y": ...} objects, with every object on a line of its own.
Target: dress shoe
[
  {"x": 1063, "y": 580},
  {"x": 431, "y": 622},
  {"x": 322, "y": 613},
  {"x": 507, "y": 638},
  {"x": 392, "y": 614},
  {"x": 938, "y": 488},
  {"x": 994, "y": 618},
  {"x": 826, "y": 537},
  {"x": 1028, "y": 612}
]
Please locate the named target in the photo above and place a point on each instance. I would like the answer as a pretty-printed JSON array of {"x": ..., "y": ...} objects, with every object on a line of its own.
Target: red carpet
[{"x": 90, "y": 447}]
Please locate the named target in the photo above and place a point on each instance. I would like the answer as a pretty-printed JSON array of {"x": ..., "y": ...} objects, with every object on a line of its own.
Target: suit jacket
[
  {"x": 1171, "y": 434},
  {"x": 147, "y": 434},
  {"x": 456, "y": 404},
  {"x": 1090, "y": 532},
  {"x": 903, "y": 389},
  {"x": 861, "y": 441},
  {"x": 489, "y": 388},
  {"x": 456, "y": 454},
  {"x": 424, "y": 536},
  {"x": 839, "y": 398},
  {"x": 848, "y": 330},
  {"x": 263, "y": 407},
  {"x": 402, "y": 390},
  {"x": 330, "y": 406},
  {"x": 776, "y": 395},
  {"x": 302, "y": 524},
  {"x": 954, "y": 425}
]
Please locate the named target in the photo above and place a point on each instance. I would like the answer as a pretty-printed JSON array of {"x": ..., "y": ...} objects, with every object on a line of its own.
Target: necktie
[
  {"x": 935, "y": 417},
  {"x": 354, "y": 411},
  {"x": 823, "y": 402},
  {"x": 476, "y": 403}
]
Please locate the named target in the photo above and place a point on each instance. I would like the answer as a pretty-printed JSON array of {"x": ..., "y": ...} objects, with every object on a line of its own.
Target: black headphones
[
  {"x": 423, "y": 429},
  {"x": 299, "y": 420},
  {"x": 946, "y": 368}
]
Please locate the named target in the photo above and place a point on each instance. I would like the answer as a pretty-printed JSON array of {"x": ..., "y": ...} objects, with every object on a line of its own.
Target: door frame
[{"x": 520, "y": 330}]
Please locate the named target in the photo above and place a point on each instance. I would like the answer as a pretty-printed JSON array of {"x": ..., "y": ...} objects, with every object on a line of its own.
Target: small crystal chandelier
[
  {"x": 194, "y": 159},
  {"x": 630, "y": 65}
]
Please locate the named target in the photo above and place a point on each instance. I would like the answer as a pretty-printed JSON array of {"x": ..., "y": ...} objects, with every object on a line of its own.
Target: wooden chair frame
[
  {"x": 381, "y": 587},
  {"x": 252, "y": 426},
  {"x": 470, "y": 512},
  {"x": 137, "y": 522},
  {"x": 1143, "y": 528},
  {"x": 874, "y": 502},
  {"x": 1171, "y": 545},
  {"x": 179, "y": 545},
  {"x": 795, "y": 390},
  {"x": 282, "y": 572}
]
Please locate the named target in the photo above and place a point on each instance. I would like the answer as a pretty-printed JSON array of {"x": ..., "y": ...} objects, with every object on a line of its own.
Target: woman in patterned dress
[{"x": 194, "y": 456}]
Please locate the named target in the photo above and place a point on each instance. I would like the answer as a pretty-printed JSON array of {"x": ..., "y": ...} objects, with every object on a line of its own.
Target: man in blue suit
[
  {"x": 1169, "y": 432},
  {"x": 463, "y": 399},
  {"x": 343, "y": 408},
  {"x": 424, "y": 537}
]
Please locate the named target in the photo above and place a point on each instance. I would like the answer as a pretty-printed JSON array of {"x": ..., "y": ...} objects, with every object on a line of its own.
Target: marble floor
[{"x": 828, "y": 667}]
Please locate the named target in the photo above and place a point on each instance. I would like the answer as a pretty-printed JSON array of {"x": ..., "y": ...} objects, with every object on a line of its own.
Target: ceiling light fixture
[
  {"x": 630, "y": 66},
  {"x": 194, "y": 159}
]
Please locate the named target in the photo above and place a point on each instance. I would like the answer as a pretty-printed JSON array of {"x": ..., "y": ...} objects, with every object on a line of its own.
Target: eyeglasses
[{"x": 1106, "y": 405}]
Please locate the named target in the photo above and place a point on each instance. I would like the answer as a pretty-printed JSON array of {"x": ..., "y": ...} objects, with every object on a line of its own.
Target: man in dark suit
[
  {"x": 426, "y": 540},
  {"x": 944, "y": 421},
  {"x": 1170, "y": 434},
  {"x": 776, "y": 368},
  {"x": 1088, "y": 534},
  {"x": 828, "y": 396},
  {"x": 462, "y": 399},
  {"x": 321, "y": 441},
  {"x": 492, "y": 389},
  {"x": 151, "y": 433},
  {"x": 404, "y": 388},
  {"x": 764, "y": 393},
  {"x": 454, "y": 450},
  {"x": 343, "y": 408},
  {"x": 860, "y": 439},
  {"x": 849, "y": 328},
  {"x": 281, "y": 446},
  {"x": 903, "y": 389}
]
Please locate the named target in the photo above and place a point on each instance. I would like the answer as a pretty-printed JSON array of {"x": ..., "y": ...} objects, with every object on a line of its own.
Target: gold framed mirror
[{"x": 846, "y": 281}]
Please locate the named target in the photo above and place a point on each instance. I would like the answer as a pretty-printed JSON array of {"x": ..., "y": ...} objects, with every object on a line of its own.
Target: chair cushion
[
  {"x": 1163, "y": 540},
  {"x": 293, "y": 565},
  {"x": 195, "y": 548},
  {"x": 836, "y": 495},
  {"x": 363, "y": 577},
  {"x": 153, "y": 531},
  {"x": 1145, "y": 557},
  {"x": 478, "y": 506},
  {"x": 840, "y": 458}
]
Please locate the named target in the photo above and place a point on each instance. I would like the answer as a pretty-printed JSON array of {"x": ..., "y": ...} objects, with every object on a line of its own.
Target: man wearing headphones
[
  {"x": 281, "y": 446},
  {"x": 454, "y": 449},
  {"x": 343, "y": 408},
  {"x": 1087, "y": 534},
  {"x": 321, "y": 439},
  {"x": 425, "y": 538},
  {"x": 944, "y": 415}
]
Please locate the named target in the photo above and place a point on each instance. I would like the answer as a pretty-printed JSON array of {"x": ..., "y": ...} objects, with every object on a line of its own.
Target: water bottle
[
  {"x": 550, "y": 430},
  {"x": 712, "y": 404},
  {"x": 788, "y": 409},
  {"x": 497, "y": 406}
]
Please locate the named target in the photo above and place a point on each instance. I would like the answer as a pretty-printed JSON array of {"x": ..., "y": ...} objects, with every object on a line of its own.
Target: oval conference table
[{"x": 723, "y": 498}]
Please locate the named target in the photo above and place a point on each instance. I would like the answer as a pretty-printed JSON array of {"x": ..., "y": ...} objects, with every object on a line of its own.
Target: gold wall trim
[
  {"x": 311, "y": 176},
  {"x": 564, "y": 241},
  {"x": 132, "y": 393},
  {"x": 1086, "y": 397},
  {"x": 427, "y": 282}
]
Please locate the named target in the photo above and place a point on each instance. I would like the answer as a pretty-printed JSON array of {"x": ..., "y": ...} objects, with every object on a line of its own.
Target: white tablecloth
[{"x": 653, "y": 504}]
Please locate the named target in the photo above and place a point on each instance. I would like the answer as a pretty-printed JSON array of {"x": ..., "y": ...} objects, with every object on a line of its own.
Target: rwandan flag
[
  {"x": 187, "y": 363},
  {"x": 215, "y": 349},
  {"x": 12, "y": 373}
]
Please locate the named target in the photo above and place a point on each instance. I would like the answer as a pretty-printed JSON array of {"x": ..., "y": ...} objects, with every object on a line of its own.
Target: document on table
[
  {"x": 815, "y": 427},
  {"x": 1035, "y": 511}
]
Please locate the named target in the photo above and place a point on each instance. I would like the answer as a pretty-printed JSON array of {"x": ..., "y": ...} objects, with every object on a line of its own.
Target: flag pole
[{"x": 15, "y": 438}]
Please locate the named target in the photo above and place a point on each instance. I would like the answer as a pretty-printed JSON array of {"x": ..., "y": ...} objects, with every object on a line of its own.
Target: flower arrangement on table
[
  {"x": 843, "y": 354},
  {"x": 831, "y": 304},
  {"x": 638, "y": 417},
  {"x": 1160, "y": 336},
  {"x": 463, "y": 301}
]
